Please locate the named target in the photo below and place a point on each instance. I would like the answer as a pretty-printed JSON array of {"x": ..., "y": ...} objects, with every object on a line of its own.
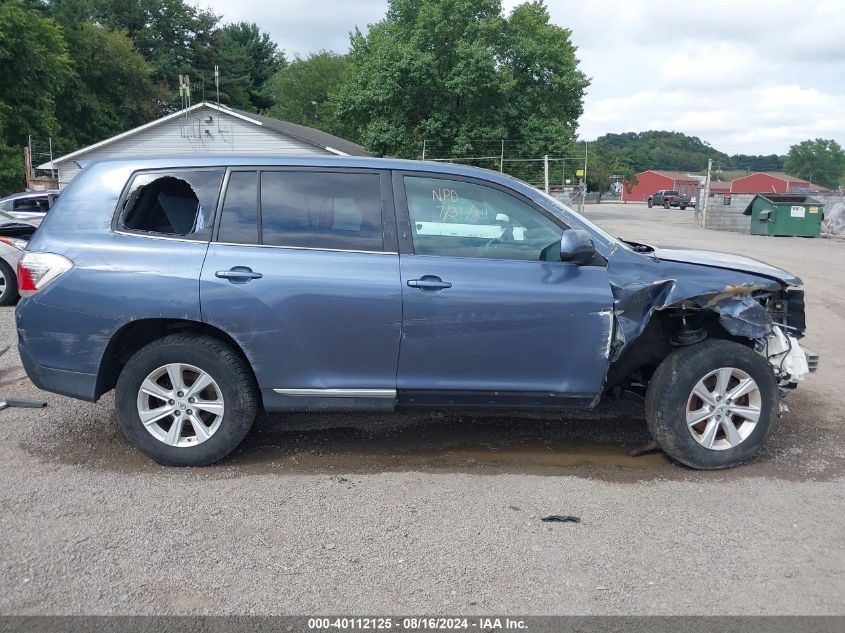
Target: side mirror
[{"x": 576, "y": 247}]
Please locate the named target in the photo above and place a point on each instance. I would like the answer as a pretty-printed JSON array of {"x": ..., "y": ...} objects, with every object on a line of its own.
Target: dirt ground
[{"x": 438, "y": 513}]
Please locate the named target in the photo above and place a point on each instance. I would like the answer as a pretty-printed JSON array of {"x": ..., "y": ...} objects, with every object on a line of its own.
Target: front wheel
[
  {"x": 683, "y": 207},
  {"x": 712, "y": 405},
  {"x": 650, "y": 203},
  {"x": 185, "y": 400}
]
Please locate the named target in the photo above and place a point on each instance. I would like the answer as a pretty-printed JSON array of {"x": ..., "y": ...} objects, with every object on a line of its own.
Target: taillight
[{"x": 37, "y": 270}]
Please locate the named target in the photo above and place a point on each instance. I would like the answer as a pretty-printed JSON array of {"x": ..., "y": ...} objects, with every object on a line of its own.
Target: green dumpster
[{"x": 785, "y": 214}]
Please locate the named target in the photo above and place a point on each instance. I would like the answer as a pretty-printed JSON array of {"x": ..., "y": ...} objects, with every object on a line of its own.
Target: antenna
[{"x": 185, "y": 91}]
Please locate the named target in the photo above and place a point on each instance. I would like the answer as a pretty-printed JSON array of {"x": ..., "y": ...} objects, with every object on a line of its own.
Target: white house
[{"x": 207, "y": 128}]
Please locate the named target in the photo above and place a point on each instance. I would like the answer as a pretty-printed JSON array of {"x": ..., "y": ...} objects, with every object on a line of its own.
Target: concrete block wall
[{"x": 728, "y": 217}]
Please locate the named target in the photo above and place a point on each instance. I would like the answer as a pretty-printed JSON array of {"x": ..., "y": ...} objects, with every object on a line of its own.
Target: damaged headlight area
[{"x": 789, "y": 360}]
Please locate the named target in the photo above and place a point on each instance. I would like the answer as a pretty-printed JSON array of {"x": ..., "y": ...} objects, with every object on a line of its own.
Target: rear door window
[
  {"x": 330, "y": 210},
  {"x": 173, "y": 203},
  {"x": 239, "y": 219}
]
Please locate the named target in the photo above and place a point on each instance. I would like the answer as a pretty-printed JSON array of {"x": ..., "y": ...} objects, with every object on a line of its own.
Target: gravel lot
[{"x": 437, "y": 513}]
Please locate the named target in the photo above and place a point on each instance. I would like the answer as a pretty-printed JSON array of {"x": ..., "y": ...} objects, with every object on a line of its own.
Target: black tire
[
  {"x": 683, "y": 207},
  {"x": 666, "y": 205},
  {"x": 222, "y": 364},
  {"x": 671, "y": 387},
  {"x": 8, "y": 284},
  {"x": 650, "y": 203}
]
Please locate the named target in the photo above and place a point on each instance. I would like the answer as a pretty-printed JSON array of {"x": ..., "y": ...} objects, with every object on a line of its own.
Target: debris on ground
[
  {"x": 561, "y": 518},
  {"x": 22, "y": 404},
  {"x": 645, "y": 449}
]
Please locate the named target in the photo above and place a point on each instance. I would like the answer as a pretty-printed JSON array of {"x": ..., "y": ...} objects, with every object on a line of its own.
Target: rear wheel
[
  {"x": 712, "y": 405},
  {"x": 185, "y": 400},
  {"x": 8, "y": 284}
]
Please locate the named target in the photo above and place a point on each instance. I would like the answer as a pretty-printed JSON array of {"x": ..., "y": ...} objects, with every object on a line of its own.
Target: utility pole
[
  {"x": 502, "y": 158},
  {"x": 546, "y": 172},
  {"x": 584, "y": 193},
  {"x": 423, "y": 149},
  {"x": 705, "y": 193}
]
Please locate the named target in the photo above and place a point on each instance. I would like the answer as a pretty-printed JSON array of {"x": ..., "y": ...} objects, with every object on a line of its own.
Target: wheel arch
[
  {"x": 133, "y": 336},
  {"x": 660, "y": 338}
]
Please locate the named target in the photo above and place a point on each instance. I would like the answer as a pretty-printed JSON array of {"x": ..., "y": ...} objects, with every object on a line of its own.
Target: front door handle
[
  {"x": 238, "y": 274},
  {"x": 429, "y": 282}
]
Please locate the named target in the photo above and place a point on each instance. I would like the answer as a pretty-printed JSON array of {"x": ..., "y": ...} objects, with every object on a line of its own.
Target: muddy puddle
[{"x": 593, "y": 446}]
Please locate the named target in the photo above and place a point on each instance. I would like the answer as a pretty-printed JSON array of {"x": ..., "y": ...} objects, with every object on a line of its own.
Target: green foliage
[
  {"x": 304, "y": 89},
  {"x": 247, "y": 58},
  {"x": 34, "y": 66},
  {"x": 661, "y": 150},
  {"x": 163, "y": 31},
  {"x": 110, "y": 90},
  {"x": 603, "y": 165},
  {"x": 821, "y": 161},
  {"x": 749, "y": 163},
  {"x": 458, "y": 70},
  {"x": 263, "y": 59}
]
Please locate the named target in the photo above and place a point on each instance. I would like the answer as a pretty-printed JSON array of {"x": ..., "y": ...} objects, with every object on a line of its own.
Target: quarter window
[
  {"x": 462, "y": 219},
  {"x": 172, "y": 203},
  {"x": 332, "y": 210}
]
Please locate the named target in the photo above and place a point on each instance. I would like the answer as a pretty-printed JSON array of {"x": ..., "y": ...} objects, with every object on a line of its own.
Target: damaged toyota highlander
[{"x": 205, "y": 289}]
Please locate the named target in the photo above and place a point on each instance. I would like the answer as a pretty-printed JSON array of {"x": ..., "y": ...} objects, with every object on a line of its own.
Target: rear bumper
[
  {"x": 66, "y": 383},
  {"x": 60, "y": 349}
]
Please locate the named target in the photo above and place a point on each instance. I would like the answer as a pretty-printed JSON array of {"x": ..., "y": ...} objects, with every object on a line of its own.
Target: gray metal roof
[{"x": 305, "y": 134}]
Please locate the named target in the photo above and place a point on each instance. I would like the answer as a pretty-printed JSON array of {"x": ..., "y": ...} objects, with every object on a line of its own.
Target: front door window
[{"x": 463, "y": 219}]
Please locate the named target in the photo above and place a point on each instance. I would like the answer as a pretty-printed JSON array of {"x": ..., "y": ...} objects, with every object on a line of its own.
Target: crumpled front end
[{"x": 767, "y": 311}]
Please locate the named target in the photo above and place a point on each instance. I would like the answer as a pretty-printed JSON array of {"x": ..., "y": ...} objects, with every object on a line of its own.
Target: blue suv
[{"x": 205, "y": 289}]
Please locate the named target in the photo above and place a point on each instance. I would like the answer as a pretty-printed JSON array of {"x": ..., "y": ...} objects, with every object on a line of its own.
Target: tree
[
  {"x": 603, "y": 166},
  {"x": 263, "y": 59},
  {"x": 110, "y": 90},
  {"x": 248, "y": 60},
  {"x": 821, "y": 161},
  {"x": 164, "y": 32},
  {"x": 457, "y": 70},
  {"x": 304, "y": 89},
  {"x": 34, "y": 66},
  {"x": 661, "y": 150}
]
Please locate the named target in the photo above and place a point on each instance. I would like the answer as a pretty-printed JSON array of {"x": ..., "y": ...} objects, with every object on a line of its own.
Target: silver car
[
  {"x": 29, "y": 205},
  {"x": 14, "y": 235}
]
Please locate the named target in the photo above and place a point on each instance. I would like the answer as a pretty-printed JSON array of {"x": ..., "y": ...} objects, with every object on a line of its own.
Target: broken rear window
[{"x": 177, "y": 203}]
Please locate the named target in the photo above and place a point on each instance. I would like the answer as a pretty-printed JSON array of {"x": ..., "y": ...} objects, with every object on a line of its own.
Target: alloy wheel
[
  {"x": 723, "y": 408},
  {"x": 180, "y": 405}
]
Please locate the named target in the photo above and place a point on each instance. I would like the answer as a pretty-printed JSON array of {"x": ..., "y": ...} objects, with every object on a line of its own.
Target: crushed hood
[{"x": 726, "y": 261}]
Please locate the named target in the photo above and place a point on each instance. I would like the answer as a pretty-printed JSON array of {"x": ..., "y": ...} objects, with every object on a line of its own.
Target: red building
[
  {"x": 720, "y": 187},
  {"x": 650, "y": 181},
  {"x": 774, "y": 182}
]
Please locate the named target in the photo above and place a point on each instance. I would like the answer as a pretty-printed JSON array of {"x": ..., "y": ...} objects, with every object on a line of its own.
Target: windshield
[{"x": 609, "y": 240}]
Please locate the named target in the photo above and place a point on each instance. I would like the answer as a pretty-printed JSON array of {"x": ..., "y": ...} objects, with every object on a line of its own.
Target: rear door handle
[
  {"x": 429, "y": 282},
  {"x": 238, "y": 274}
]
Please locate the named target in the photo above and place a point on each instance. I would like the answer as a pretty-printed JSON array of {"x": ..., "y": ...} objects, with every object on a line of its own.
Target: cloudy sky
[{"x": 747, "y": 76}]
